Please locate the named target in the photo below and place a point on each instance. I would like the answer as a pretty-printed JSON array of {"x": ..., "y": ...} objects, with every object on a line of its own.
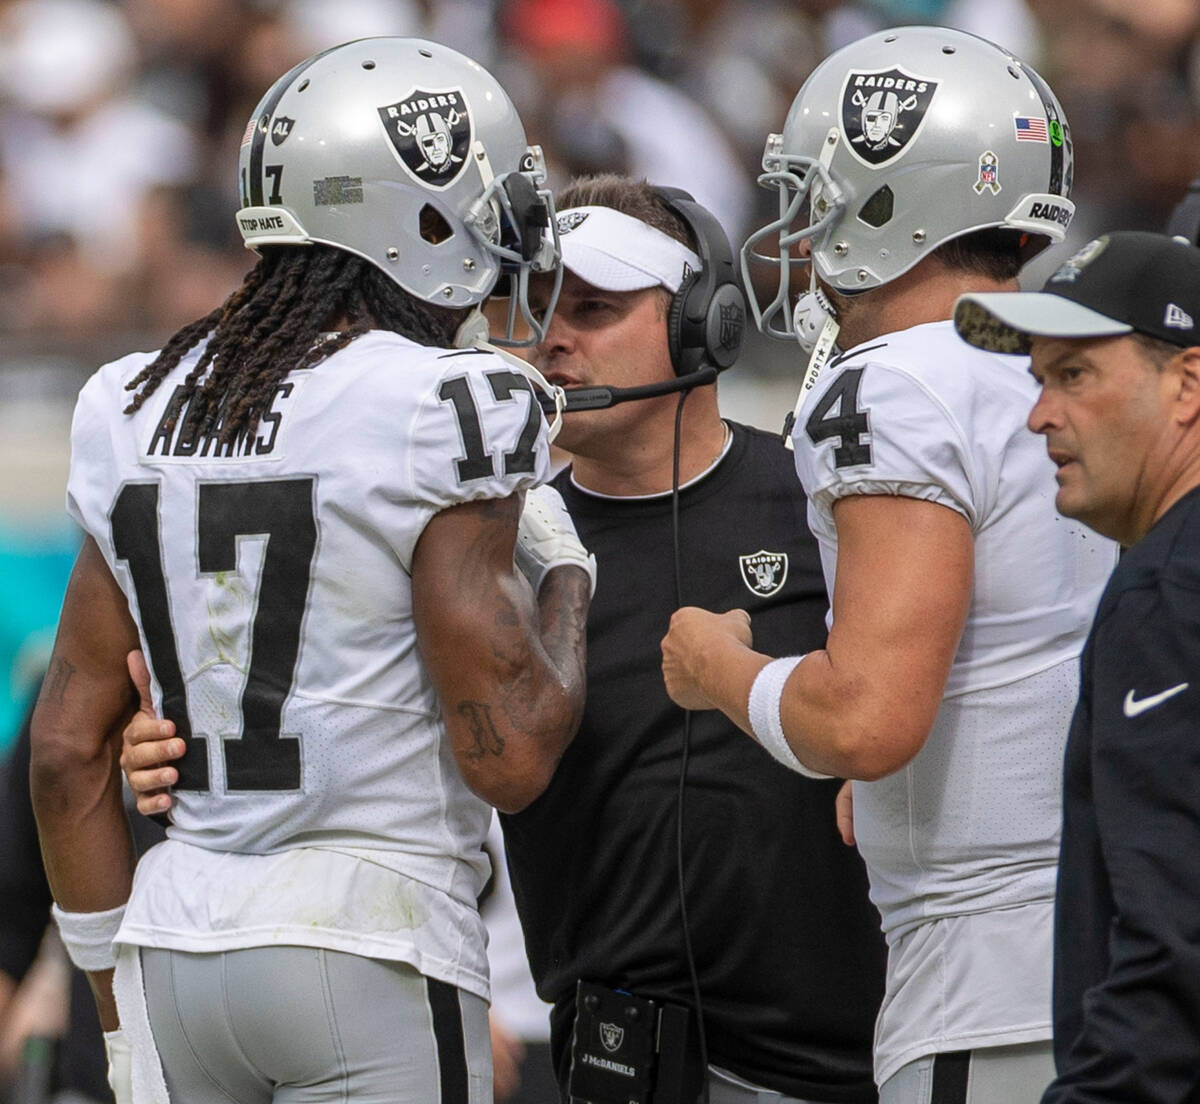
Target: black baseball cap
[{"x": 1125, "y": 282}]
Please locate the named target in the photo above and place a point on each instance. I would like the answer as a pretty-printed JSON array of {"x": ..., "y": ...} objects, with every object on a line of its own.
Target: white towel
[{"x": 149, "y": 1085}]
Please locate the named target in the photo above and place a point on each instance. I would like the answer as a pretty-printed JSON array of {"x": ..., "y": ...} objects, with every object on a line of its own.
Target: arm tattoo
[
  {"x": 54, "y": 686},
  {"x": 485, "y": 739}
]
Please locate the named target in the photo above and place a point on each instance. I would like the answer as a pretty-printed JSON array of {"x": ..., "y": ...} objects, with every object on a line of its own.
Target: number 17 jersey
[{"x": 319, "y": 802}]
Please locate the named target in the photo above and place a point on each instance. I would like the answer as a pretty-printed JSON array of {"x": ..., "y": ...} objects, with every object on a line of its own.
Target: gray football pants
[
  {"x": 299, "y": 1025},
  {"x": 990, "y": 1075}
]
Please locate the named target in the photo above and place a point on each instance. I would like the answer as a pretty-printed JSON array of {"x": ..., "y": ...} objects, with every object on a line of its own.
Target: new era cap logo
[{"x": 1177, "y": 318}]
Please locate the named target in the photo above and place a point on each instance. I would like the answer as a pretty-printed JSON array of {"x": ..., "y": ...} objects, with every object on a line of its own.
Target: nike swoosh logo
[{"x": 1134, "y": 707}]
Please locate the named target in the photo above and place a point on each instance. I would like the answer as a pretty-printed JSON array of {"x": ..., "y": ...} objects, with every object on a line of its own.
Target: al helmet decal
[
  {"x": 432, "y": 133},
  {"x": 882, "y": 111}
]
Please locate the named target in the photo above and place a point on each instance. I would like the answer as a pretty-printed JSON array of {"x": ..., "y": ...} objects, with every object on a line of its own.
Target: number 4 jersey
[
  {"x": 967, "y": 833},
  {"x": 319, "y": 802}
]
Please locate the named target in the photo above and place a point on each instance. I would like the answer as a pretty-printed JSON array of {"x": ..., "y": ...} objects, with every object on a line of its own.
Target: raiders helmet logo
[
  {"x": 764, "y": 573},
  {"x": 882, "y": 112},
  {"x": 611, "y": 1037},
  {"x": 570, "y": 220},
  {"x": 280, "y": 129},
  {"x": 432, "y": 132}
]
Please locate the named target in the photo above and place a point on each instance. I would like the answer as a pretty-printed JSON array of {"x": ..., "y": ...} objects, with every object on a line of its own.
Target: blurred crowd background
[{"x": 120, "y": 122}]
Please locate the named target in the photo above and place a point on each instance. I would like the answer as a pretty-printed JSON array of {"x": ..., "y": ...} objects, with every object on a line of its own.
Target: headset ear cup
[
  {"x": 685, "y": 357},
  {"x": 725, "y": 326},
  {"x": 707, "y": 316}
]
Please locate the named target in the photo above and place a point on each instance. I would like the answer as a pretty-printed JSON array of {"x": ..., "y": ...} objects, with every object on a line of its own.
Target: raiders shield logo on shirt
[
  {"x": 882, "y": 111},
  {"x": 764, "y": 573},
  {"x": 432, "y": 134}
]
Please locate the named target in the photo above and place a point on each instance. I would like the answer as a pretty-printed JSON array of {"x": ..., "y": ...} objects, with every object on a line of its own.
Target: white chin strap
[
  {"x": 815, "y": 324},
  {"x": 473, "y": 334}
]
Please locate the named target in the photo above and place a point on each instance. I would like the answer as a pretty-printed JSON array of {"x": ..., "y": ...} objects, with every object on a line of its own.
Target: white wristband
[
  {"x": 88, "y": 936},
  {"x": 765, "y": 720}
]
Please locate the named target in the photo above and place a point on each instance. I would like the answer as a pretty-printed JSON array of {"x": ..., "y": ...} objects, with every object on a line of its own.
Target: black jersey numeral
[
  {"x": 848, "y": 425},
  {"x": 504, "y": 386},
  {"x": 275, "y": 172},
  {"x": 476, "y": 463},
  {"x": 135, "y": 528},
  {"x": 282, "y": 511}
]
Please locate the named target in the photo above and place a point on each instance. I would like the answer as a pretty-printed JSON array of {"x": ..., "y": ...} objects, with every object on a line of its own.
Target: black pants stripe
[
  {"x": 950, "y": 1071},
  {"x": 451, "y": 1047}
]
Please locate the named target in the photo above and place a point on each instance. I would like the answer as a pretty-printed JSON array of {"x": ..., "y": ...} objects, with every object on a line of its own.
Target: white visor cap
[{"x": 616, "y": 252}]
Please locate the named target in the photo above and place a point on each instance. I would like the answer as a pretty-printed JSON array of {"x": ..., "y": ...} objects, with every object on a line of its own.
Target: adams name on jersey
[{"x": 270, "y": 584}]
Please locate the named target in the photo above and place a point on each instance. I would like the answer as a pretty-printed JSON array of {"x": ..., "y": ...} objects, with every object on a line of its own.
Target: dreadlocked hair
[{"x": 272, "y": 325}]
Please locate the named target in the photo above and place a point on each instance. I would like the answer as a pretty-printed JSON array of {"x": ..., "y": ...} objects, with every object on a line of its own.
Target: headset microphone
[{"x": 599, "y": 398}]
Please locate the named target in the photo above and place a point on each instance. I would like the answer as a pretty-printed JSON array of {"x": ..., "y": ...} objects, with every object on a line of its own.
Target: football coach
[{"x": 1116, "y": 351}]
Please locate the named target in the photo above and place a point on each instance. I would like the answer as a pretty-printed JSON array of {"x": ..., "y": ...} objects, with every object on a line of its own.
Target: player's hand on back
[{"x": 148, "y": 745}]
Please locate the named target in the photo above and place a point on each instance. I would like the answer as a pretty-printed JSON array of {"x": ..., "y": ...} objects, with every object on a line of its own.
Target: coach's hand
[
  {"x": 148, "y": 745},
  {"x": 546, "y": 538}
]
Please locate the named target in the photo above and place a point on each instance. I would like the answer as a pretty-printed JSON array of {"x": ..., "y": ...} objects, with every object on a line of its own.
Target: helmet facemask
[{"x": 513, "y": 220}]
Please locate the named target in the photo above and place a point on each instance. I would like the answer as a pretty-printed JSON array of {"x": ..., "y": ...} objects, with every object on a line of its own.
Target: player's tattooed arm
[
  {"x": 485, "y": 740},
  {"x": 58, "y": 678},
  {"x": 509, "y": 669},
  {"x": 75, "y": 780}
]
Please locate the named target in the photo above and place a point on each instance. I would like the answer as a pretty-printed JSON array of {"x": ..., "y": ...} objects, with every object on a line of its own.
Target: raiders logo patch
[
  {"x": 571, "y": 221},
  {"x": 432, "y": 133},
  {"x": 611, "y": 1036},
  {"x": 882, "y": 111},
  {"x": 764, "y": 573}
]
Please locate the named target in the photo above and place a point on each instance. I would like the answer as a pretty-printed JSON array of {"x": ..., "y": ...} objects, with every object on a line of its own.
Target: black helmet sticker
[
  {"x": 280, "y": 129},
  {"x": 882, "y": 112},
  {"x": 431, "y": 131}
]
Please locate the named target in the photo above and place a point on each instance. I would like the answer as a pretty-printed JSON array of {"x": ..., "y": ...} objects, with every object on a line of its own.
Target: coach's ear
[{"x": 1187, "y": 404}]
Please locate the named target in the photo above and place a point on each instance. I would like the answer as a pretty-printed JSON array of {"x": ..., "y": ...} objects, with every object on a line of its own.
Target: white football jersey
[
  {"x": 271, "y": 587},
  {"x": 972, "y": 823}
]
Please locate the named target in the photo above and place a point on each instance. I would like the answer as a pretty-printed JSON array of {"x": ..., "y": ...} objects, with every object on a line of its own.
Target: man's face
[
  {"x": 437, "y": 148},
  {"x": 877, "y": 124},
  {"x": 605, "y": 338},
  {"x": 1103, "y": 412}
]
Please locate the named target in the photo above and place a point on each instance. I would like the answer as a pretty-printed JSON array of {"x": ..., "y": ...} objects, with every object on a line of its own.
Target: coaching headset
[
  {"x": 705, "y": 322},
  {"x": 708, "y": 313}
]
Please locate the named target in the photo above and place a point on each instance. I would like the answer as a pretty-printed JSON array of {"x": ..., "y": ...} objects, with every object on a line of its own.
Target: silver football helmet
[
  {"x": 411, "y": 156},
  {"x": 898, "y": 143}
]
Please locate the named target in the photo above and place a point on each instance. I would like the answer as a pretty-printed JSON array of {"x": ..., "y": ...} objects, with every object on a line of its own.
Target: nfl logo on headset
[
  {"x": 733, "y": 322},
  {"x": 431, "y": 131}
]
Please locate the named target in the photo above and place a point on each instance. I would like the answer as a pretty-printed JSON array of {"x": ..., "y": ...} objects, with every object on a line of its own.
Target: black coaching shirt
[
  {"x": 787, "y": 946},
  {"x": 1127, "y": 939}
]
